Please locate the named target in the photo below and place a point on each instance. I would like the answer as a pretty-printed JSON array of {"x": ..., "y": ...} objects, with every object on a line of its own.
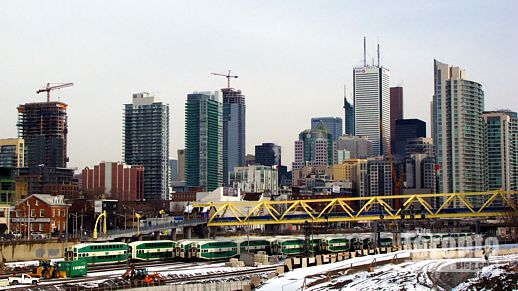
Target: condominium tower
[
  {"x": 501, "y": 150},
  {"x": 146, "y": 142},
  {"x": 458, "y": 130},
  {"x": 204, "y": 140}
]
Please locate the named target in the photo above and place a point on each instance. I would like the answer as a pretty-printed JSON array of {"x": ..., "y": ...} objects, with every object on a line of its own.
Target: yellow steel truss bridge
[{"x": 375, "y": 208}]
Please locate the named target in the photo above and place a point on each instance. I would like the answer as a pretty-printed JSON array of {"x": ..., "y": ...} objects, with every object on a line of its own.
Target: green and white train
[
  {"x": 206, "y": 249},
  {"x": 98, "y": 253},
  {"x": 152, "y": 250}
]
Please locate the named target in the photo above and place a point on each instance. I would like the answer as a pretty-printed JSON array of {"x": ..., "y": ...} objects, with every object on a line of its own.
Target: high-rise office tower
[
  {"x": 44, "y": 128},
  {"x": 349, "y": 116},
  {"x": 234, "y": 142},
  {"x": 458, "y": 130},
  {"x": 181, "y": 164},
  {"x": 396, "y": 112},
  {"x": 359, "y": 147},
  {"x": 314, "y": 148},
  {"x": 268, "y": 154},
  {"x": 372, "y": 105},
  {"x": 501, "y": 150},
  {"x": 12, "y": 156},
  {"x": 146, "y": 142},
  {"x": 333, "y": 125},
  {"x": 380, "y": 179},
  {"x": 204, "y": 140},
  {"x": 12, "y": 153},
  {"x": 173, "y": 170},
  {"x": 406, "y": 129},
  {"x": 420, "y": 145}
]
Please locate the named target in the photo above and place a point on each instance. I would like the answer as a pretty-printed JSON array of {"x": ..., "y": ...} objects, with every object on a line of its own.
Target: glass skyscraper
[
  {"x": 314, "y": 148},
  {"x": 349, "y": 117},
  {"x": 146, "y": 142},
  {"x": 333, "y": 125},
  {"x": 204, "y": 140},
  {"x": 234, "y": 142},
  {"x": 458, "y": 130}
]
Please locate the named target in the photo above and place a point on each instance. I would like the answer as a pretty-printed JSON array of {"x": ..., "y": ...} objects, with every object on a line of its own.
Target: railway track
[
  {"x": 115, "y": 267},
  {"x": 112, "y": 282}
]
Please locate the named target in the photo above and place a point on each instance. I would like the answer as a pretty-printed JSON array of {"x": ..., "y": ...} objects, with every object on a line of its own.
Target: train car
[
  {"x": 183, "y": 249},
  {"x": 214, "y": 249},
  {"x": 254, "y": 245},
  {"x": 98, "y": 253},
  {"x": 152, "y": 250},
  {"x": 386, "y": 240},
  {"x": 335, "y": 244},
  {"x": 315, "y": 244},
  {"x": 289, "y": 245}
]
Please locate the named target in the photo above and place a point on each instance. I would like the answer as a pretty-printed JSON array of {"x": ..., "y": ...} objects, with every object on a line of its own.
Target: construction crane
[
  {"x": 55, "y": 86},
  {"x": 398, "y": 182},
  {"x": 228, "y": 76}
]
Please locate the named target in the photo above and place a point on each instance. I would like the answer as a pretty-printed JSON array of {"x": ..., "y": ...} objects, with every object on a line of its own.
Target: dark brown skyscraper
[{"x": 396, "y": 112}]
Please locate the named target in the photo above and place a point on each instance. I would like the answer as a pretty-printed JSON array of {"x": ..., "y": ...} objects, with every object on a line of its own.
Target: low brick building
[
  {"x": 113, "y": 180},
  {"x": 40, "y": 213}
]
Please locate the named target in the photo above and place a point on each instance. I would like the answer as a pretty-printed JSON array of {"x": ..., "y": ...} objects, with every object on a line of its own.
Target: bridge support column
[
  {"x": 206, "y": 232},
  {"x": 173, "y": 234},
  {"x": 396, "y": 238},
  {"x": 187, "y": 232}
]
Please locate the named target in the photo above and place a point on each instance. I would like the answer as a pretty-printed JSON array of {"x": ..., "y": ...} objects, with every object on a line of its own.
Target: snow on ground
[
  {"x": 410, "y": 275},
  {"x": 294, "y": 280},
  {"x": 502, "y": 276}
]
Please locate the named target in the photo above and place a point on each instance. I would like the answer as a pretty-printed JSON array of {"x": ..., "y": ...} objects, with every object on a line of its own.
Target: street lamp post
[
  {"x": 29, "y": 221},
  {"x": 248, "y": 229}
]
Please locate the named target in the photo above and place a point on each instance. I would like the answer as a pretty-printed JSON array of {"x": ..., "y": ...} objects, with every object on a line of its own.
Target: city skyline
[{"x": 98, "y": 59}]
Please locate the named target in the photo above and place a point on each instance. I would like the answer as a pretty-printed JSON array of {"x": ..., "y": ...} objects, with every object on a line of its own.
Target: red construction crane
[
  {"x": 55, "y": 87},
  {"x": 228, "y": 76}
]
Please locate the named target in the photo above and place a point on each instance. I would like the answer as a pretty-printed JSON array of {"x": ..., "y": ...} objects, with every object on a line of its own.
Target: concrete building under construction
[{"x": 44, "y": 128}]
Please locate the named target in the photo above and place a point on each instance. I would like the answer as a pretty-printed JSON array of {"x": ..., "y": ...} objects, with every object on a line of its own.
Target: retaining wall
[
  {"x": 30, "y": 251},
  {"x": 214, "y": 286}
]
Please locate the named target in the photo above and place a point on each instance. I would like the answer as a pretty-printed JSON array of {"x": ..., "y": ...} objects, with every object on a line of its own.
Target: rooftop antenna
[
  {"x": 378, "y": 54},
  {"x": 365, "y": 51}
]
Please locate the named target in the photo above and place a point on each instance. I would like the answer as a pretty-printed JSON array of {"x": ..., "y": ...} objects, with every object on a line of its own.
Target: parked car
[
  {"x": 6, "y": 236},
  {"x": 23, "y": 279},
  {"x": 38, "y": 235}
]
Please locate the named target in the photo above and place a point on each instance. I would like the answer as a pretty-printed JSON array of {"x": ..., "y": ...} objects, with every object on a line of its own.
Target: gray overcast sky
[{"x": 292, "y": 57}]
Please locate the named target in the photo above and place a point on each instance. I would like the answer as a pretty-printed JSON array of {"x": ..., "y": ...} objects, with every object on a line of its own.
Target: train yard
[{"x": 197, "y": 260}]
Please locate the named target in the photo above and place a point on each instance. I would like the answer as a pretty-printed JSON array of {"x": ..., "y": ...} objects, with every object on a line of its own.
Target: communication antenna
[
  {"x": 365, "y": 51},
  {"x": 378, "y": 54}
]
